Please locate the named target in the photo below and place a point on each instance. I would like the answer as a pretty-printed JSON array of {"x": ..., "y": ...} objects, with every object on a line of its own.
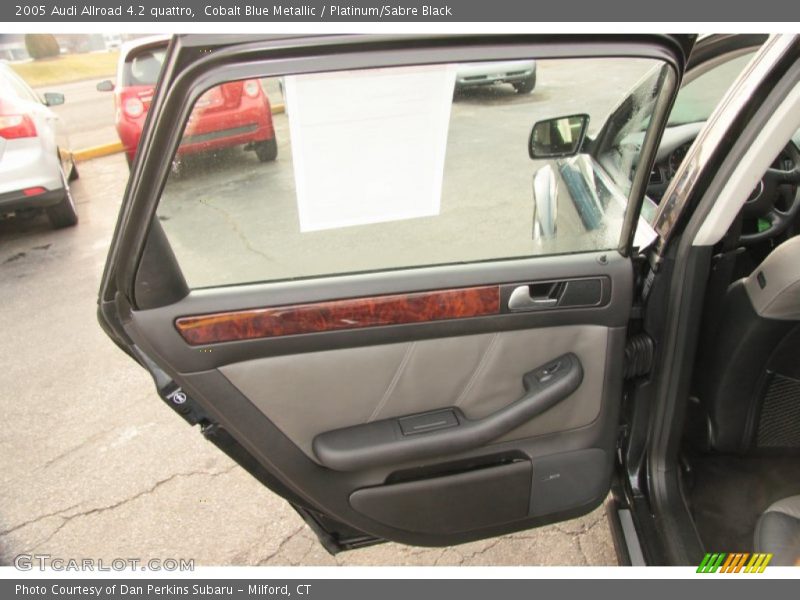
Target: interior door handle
[
  {"x": 447, "y": 430},
  {"x": 523, "y": 298}
]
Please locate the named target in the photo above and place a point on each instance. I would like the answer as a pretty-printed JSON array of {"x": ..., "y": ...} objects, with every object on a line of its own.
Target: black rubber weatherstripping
[{"x": 445, "y": 431}]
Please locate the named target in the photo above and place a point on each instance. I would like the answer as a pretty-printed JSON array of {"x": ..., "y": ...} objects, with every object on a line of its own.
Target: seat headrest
[{"x": 774, "y": 287}]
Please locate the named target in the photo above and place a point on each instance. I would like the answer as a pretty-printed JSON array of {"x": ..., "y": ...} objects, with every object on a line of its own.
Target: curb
[
  {"x": 117, "y": 147},
  {"x": 97, "y": 151}
]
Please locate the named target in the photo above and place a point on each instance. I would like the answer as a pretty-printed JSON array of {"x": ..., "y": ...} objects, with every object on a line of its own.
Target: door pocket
[
  {"x": 568, "y": 480},
  {"x": 453, "y": 503}
]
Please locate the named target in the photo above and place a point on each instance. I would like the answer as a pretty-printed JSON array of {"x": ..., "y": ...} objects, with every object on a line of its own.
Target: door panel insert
[{"x": 339, "y": 314}]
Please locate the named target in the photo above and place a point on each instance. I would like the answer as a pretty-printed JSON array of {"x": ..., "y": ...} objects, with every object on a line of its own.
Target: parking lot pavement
[{"x": 92, "y": 465}]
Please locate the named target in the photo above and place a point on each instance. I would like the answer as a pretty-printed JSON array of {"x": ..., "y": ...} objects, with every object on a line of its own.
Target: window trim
[{"x": 172, "y": 105}]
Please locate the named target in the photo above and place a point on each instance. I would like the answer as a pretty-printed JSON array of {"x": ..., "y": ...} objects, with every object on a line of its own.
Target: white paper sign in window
[{"x": 369, "y": 146}]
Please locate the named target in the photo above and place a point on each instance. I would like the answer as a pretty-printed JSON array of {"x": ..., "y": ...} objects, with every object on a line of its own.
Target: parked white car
[
  {"x": 36, "y": 163},
  {"x": 113, "y": 41},
  {"x": 519, "y": 73}
]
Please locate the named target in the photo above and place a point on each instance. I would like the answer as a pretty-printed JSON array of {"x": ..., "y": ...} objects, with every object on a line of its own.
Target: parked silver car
[
  {"x": 519, "y": 73},
  {"x": 36, "y": 164}
]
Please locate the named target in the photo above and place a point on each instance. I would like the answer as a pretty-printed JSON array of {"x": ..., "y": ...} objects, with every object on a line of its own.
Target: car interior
[
  {"x": 741, "y": 461},
  {"x": 740, "y": 454}
]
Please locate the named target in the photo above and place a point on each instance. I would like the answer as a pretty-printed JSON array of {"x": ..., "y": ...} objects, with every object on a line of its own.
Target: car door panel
[
  {"x": 309, "y": 394},
  {"x": 612, "y": 310},
  {"x": 437, "y": 432},
  {"x": 329, "y": 491},
  {"x": 349, "y": 395},
  {"x": 348, "y": 377},
  {"x": 353, "y": 313}
]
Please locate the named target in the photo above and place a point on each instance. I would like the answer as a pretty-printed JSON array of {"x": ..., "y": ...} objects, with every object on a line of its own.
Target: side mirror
[
  {"x": 559, "y": 137},
  {"x": 53, "y": 99},
  {"x": 105, "y": 86}
]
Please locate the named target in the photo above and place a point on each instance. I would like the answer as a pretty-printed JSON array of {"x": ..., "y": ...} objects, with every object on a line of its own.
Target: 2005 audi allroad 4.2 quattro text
[{"x": 247, "y": 10}]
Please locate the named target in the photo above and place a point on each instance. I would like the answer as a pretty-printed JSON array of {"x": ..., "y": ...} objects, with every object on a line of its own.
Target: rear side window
[
  {"x": 15, "y": 87},
  {"x": 372, "y": 170},
  {"x": 143, "y": 68}
]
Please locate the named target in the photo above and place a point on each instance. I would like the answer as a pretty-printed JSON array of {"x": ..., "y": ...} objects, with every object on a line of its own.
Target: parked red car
[{"x": 231, "y": 114}]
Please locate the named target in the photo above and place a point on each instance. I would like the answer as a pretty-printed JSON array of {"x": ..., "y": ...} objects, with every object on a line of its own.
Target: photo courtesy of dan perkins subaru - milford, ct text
[{"x": 121, "y": 589}]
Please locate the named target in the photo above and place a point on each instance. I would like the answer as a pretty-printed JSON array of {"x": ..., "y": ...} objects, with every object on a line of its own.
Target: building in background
[{"x": 12, "y": 47}]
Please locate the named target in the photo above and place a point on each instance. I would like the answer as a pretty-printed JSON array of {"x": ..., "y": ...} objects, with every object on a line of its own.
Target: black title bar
[{"x": 173, "y": 11}]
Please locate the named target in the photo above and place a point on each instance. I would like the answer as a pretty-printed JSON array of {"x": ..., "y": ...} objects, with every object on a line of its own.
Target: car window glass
[
  {"x": 360, "y": 171},
  {"x": 697, "y": 99},
  {"x": 143, "y": 68},
  {"x": 695, "y": 102},
  {"x": 6, "y": 86},
  {"x": 630, "y": 121},
  {"x": 13, "y": 84}
]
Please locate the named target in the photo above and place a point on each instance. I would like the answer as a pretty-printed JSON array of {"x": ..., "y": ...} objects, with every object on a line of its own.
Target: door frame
[
  {"x": 233, "y": 423},
  {"x": 650, "y": 482}
]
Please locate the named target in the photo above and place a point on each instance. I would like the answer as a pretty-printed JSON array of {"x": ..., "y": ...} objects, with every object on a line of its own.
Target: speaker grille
[{"x": 779, "y": 425}]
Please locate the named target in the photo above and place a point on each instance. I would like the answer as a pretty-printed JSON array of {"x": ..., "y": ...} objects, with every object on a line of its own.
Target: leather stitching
[
  {"x": 393, "y": 383},
  {"x": 479, "y": 369}
]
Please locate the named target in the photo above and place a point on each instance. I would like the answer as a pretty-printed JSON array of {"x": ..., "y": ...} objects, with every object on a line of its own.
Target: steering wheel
[{"x": 776, "y": 188}]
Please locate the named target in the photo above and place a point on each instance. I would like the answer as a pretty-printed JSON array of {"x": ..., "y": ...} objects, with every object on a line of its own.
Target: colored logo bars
[{"x": 734, "y": 563}]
